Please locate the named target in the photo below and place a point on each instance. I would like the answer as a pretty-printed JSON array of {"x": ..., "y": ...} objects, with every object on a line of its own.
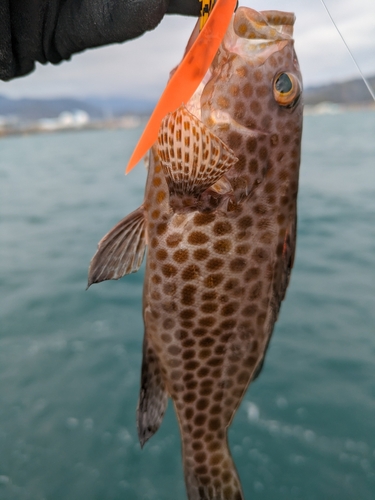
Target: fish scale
[{"x": 221, "y": 238}]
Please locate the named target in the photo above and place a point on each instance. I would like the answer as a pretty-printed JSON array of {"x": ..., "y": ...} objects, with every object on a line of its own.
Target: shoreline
[{"x": 134, "y": 121}]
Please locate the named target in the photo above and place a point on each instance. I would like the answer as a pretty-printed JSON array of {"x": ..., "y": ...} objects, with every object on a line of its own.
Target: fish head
[
  {"x": 256, "y": 70},
  {"x": 252, "y": 95}
]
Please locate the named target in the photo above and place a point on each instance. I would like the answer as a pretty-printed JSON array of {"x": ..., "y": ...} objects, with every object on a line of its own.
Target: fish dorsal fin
[
  {"x": 192, "y": 157},
  {"x": 120, "y": 251}
]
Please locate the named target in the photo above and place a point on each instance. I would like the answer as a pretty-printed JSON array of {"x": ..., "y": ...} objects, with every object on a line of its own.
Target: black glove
[{"x": 53, "y": 30}]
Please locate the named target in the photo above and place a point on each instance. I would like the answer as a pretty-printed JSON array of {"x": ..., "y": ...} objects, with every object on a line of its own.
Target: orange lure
[{"x": 187, "y": 76}]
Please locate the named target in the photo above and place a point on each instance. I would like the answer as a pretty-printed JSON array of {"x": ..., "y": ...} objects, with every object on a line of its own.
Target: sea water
[{"x": 70, "y": 359}]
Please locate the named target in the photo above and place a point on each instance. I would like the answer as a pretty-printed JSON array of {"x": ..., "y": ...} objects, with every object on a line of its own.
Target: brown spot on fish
[
  {"x": 181, "y": 255},
  {"x": 197, "y": 238},
  {"x": 161, "y": 254},
  {"x": 247, "y": 90},
  {"x": 242, "y": 249},
  {"x": 251, "y": 274},
  {"x": 174, "y": 350},
  {"x": 239, "y": 111},
  {"x": 222, "y": 102},
  {"x": 230, "y": 309},
  {"x": 206, "y": 342},
  {"x": 169, "y": 323},
  {"x": 256, "y": 107},
  {"x": 249, "y": 310},
  {"x": 173, "y": 239},
  {"x": 188, "y": 295},
  {"x": 214, "y": 264},
  {"x": 234, "y": 140},
  {"x": 156, "y": 279},
  {"x": 260, "y": 254},
  {"x": 169, "y": 307},
  {"x": 237, "y": 265},
  {"x": 262, "y": 91},
  {"x": 165, "y": 337},
  {"x": 199, "y": 332},
  {"x": 263, "y": 153},
  {"x": 191, "y": 384},
  {"x": 207, "y": 321},
  {"x": 209, "y": 295},
  {"x": 169, "y": 270},
  {"x": 221, "y": 228},
  {"x": 201, "y": 254},
  {"x": 190, "y": 272},
  {"x": 209, "y": 307},
  {"x": 213, "y": 280},
  {"x": 202, "y": 219},
  {"x": 253, "y": 166},
  {"x": 266, "y": 238},
  {"x": 241, "y": 71},
  {"x": 274, "y": 139},
  {"x": 222, "y": 246},
  {"x": 251, "y": 145},
  {"x": 169, "y": 288},
  {"x": 161, "y": 228},
  {"x": 191, "y": 365},
  {"x": 160, "y": 196},
  {"x": 228, "y": 324},
  {"x": 189, "y": 397},
  {"x": 245, "y": 222},
  {"x": 187, "y": 314},
  {"x": 200, "y": 419}
]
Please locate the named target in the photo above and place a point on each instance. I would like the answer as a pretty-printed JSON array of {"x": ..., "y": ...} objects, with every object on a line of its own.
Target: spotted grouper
[{"x": 219, "y": 221}]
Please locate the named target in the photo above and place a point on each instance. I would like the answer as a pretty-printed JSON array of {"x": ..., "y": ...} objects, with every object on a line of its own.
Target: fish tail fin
[{"x": 210, "y": 473}]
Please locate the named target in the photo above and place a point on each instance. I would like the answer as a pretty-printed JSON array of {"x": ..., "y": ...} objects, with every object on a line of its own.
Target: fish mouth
[
  {"x": 255, "y": 36},
  {"x": 266, "y": 25}
]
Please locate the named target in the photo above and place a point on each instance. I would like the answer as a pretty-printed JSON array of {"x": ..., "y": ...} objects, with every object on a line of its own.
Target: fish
[{"x": 219, "y": 223}]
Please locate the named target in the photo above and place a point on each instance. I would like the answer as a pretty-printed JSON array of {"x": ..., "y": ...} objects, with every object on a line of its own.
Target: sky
[{"x": 140, "y": 68}]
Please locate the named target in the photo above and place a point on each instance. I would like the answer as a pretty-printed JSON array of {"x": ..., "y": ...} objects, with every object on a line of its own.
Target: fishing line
[{"x": 350, "y": 52}]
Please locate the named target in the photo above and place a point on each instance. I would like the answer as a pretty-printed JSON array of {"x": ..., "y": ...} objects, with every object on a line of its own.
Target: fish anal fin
[
  {"x": 193, "y": 158},
  {"x": 153, "y": 396},
  {"x": 121, "y": 250}
]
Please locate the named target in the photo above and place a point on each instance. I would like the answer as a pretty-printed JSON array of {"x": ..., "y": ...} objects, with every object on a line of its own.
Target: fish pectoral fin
[
  {"x": 193, "y": 158},
  {"x": 121, "y": 250},
  {"x": 153, "y": 396}
]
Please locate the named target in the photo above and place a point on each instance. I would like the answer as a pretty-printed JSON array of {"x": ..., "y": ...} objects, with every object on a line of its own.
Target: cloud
[{"x": 140, "y": 68}]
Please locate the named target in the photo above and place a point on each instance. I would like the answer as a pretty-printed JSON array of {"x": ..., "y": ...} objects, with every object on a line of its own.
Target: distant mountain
[
  {"x": 97, "y": 107},
  {"x": 30, "y": 110},
  {"x": 35, "y": 109},
  {"x": 349, "y": 92},
  {"x": 121, "y": 105}
]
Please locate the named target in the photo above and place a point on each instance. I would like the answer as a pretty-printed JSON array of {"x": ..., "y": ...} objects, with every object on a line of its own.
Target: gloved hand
[{"x": 53, "y": 30}]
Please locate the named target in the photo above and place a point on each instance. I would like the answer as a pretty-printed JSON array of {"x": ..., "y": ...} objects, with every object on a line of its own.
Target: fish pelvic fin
[
  {"x": 153, "y": 396},
  {"x": 193, "y": 158},
  {"x": 121, "y": 250},
  {"x": 210, "y": 473}
]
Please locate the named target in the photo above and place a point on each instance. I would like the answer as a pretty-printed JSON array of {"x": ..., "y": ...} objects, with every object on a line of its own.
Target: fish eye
[{"x": 286, "y": 89}]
